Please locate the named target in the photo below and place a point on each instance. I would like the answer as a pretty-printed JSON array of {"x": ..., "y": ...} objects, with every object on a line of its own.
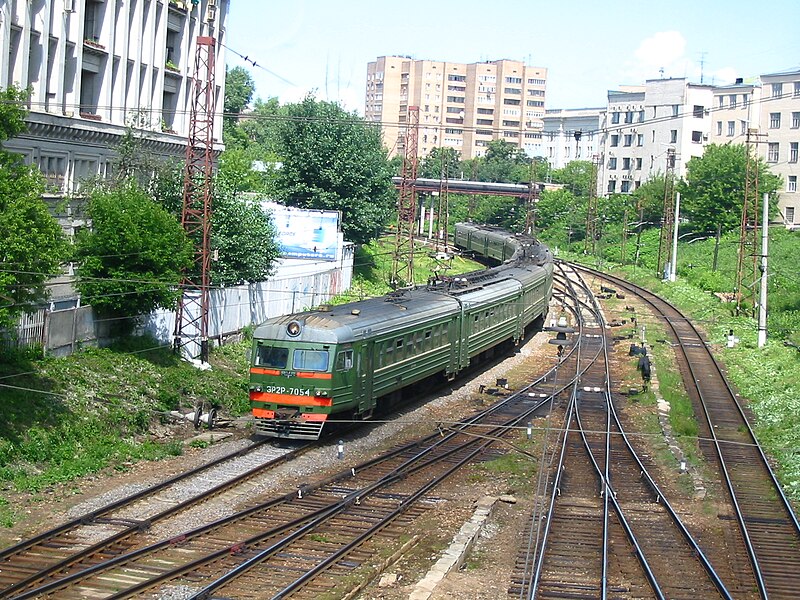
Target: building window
[
  {"x": 731, "y": 128},
  {"x": 485, "y": 121},
  {"x": 512, "y": 101},
  {"x": 628, "y": 140},
  {"x": 791, "y": 185},
  {"x": 719, "y": 127},
  {"x": 777, "y": 90},
  {"x": 793, "y": 152},
  {"x": 513, "y": 79},
  {"x": 732, "y": 100},
  {"x": 697, "y": 137},
  {"x": 485, "y": 111},
  {"x": 612, "y": 186},
  {"x": 675, "y": 109},
  {"x": 797, "y": 89},
  {"x": 612, "y": 163},
  {"x": 795, "y": 120},
  {"x": 673, "y": 136},
  {"x": 456, "y": 99},
  {"x": 638, "y": 164},
  {"x": 773, "y": 149},
  {"x": 614, "y": 118},
  {"x": 626, "y": 164},
  {"x": 640, "y": 140},
  {"x": 775, "y": 120},
  {"x": 641, "y": 116},
  {"x": 452, "y": 77},
  {"x": 614, "y": 140},
  {"x": 626, "y": 187},
  {"x": 790, "y": 215},
  {"x": 721, "y": 100},
  {"x": 698, "y": 111},
  {"x": 743, "y": 126},
  {"x": 629, "y": 116},
  {"x": 744, "y": 100}
]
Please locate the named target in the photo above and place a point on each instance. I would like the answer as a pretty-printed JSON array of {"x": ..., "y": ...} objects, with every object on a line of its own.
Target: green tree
[
  {"x": 441, "y": 162},
  {"x": 504, "y": 163},
  {"x": 648, "y": 206},
  {"x": 131, "y": 261},
  {"x": 333, "y": 160},
  {"x": 32, "y": 245},
  {"x": 713, "y": 191},
  {"x": 576, "y": 176},
  {"x": 242, "y": 235},
  {"x": 239, "y": 88}
]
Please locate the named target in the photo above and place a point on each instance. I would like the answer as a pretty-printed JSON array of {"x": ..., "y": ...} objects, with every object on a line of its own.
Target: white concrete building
[
  {"x": 780, "y": 122},
  {"x": 570, "y": 134},
  {"x": 94, "y": 67},
  {"x": 642, "y": 124}
]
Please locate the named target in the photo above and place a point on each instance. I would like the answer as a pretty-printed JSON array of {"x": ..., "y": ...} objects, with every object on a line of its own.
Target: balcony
[{"x": 94, "y": 47}]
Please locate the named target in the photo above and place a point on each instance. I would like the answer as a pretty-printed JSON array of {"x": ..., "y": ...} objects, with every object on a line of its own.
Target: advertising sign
[{"x": 304, "y": 233}]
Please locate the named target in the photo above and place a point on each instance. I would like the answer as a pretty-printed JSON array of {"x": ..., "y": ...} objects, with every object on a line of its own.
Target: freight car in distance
[{"x": 345, "y": 362}]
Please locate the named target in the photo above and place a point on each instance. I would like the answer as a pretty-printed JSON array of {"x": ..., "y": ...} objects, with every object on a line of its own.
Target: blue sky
[{"x": 588, "y": 46}]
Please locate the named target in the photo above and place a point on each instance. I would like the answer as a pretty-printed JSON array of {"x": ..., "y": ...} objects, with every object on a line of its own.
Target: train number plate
[{"x": 291, "y": 391}]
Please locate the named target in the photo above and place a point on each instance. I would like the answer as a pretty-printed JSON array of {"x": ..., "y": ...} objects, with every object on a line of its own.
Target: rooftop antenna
[{"x": 702, "y": 65}]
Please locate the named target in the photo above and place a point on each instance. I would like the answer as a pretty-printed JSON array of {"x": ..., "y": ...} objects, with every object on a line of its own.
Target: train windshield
[
  {"x": 270, "y": 356},
  {"x": 310, "y": 360}
]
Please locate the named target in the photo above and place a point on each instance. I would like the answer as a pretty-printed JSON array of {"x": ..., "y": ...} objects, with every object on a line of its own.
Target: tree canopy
[
  {"x": 131, "y": 261},
  {"x": 239, "y": 88},
  {"x": 713, "y": 191},
  {"x": 32, "y": 245},
  {"x": 333, "y": 160}
]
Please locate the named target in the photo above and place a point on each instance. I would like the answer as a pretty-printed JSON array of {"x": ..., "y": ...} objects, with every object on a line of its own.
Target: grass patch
[{"x": 64, "y": 418}]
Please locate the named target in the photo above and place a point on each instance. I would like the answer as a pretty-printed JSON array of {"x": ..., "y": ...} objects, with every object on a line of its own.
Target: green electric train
[{"x": 345, "y": 362}]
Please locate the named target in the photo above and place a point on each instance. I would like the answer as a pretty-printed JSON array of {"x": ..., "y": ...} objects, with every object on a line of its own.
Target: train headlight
[{"x": 293, "y": 329}]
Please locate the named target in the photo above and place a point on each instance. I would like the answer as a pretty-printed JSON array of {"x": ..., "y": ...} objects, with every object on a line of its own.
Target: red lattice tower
[
  {"x": 403, "y": 260},
  {"x": 191, "y": 320}
]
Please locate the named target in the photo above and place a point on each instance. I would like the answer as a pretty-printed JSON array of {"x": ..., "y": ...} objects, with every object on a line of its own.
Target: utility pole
[
  {"x": 591, "y": 212},
  {"x": 673, "y": 270},
  {"x": 191, "y": 318},
  {"x": 762, "y": 299},
  {"x": 748, "y": 231},
  {"x": 668, "y": 218},
  {"x": 403, "y": 260}
]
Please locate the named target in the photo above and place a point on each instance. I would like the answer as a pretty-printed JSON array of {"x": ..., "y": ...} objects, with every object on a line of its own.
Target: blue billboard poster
[{"x": 302, "y": 233}]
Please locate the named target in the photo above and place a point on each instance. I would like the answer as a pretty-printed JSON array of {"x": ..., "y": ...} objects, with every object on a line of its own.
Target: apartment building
[
  {"x": 643, "y": 126},
  {"x": 461, "y": 106},
  {"x": 736, "y": 108},
  {"x": 780, "y": 129},
  {"x": 570, "y": 134},
  {"x": 95, "y": 67}
]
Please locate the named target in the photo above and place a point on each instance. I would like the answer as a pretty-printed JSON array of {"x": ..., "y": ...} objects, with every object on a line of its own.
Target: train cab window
[
  {"x": 270, "y": 356},
  {"x": 344, "y": 360},
  {"x": 310, "y": 360}
]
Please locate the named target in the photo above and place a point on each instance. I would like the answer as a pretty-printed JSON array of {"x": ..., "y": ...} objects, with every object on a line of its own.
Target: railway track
[
  {"x": 608, "y": 529},
  {"x": 116, "y": 526},
  {"x": 768, "y": 532},
  {"x": 307, "y": 540}
]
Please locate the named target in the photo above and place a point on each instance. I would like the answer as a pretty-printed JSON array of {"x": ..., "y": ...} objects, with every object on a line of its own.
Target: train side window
[
  {"x": 344, "y": 361},
  {"x": 270, "y": 356}
]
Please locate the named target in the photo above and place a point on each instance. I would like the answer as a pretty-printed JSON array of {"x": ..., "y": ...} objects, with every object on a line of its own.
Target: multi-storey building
[
  {"x": 644, "y": 126},
  {"x": 780, "y": 121},
  {"x": 96, "y": 67},
  {"x": 736, "y": 109},
  {"x": 570, "y": 134},
  {"x": 461, "y": 106}
]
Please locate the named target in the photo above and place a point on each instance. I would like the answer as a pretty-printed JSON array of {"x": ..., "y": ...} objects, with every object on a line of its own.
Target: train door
[{"x": 365, "y": 378}]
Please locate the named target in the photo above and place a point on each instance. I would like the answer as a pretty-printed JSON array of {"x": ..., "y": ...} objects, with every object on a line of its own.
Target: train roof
[{"x": 354, "y": 320}]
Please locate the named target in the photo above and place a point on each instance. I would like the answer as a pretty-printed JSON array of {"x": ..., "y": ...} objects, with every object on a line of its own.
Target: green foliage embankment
[{"x": 66, "y": 417}]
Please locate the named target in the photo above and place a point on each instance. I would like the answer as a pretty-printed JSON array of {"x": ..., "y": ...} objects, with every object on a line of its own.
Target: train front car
[{"x": 299, "y": 375}]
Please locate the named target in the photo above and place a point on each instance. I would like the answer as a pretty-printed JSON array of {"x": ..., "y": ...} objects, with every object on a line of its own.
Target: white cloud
[{"x": 662, "y": 54}]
